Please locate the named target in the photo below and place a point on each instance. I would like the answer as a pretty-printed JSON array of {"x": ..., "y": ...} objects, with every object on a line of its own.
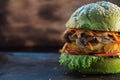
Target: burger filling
[{"x": 87, "y": 42}]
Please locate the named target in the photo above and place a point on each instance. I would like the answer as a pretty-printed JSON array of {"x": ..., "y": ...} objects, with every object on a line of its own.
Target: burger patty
[
  {"x": 91, "y": 42},
  {"x": 98, "y": 48}
]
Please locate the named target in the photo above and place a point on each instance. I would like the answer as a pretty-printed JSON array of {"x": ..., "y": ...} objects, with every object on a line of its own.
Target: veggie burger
[{"x": 92, "y": 39}]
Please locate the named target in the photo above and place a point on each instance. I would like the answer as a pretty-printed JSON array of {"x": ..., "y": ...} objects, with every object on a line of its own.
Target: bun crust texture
[{"x": 102, "y": 16}]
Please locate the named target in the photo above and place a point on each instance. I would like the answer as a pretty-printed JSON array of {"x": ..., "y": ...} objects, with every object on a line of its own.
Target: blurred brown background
[{"x": 31, "y": 25}]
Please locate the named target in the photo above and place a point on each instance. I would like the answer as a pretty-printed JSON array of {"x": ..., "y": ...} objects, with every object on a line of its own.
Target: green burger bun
[
  {"x": 99, "y": 16},
  {"x": 104, "y": 16},
  {"x": 91, "y": 64}
]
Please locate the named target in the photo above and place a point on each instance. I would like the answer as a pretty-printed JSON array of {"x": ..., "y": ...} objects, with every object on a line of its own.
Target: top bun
[{"x": 102, "y": 16}]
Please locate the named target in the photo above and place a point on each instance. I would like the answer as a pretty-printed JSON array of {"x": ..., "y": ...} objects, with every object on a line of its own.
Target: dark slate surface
[{"x": 42, "y": 66}]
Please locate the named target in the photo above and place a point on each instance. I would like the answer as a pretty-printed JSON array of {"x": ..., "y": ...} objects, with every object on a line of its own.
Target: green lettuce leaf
[{"x": 80, "y": 61}]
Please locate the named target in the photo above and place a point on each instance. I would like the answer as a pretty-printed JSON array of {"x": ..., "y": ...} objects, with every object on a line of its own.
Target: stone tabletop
[{"x": 42, "y": 66}]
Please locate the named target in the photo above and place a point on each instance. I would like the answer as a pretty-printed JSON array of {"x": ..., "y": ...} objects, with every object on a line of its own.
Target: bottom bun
[{"x": 91, "y": 64}]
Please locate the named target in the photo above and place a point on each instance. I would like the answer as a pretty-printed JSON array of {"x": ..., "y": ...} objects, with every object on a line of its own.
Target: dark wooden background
[{"x": 35, "y": 25}]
